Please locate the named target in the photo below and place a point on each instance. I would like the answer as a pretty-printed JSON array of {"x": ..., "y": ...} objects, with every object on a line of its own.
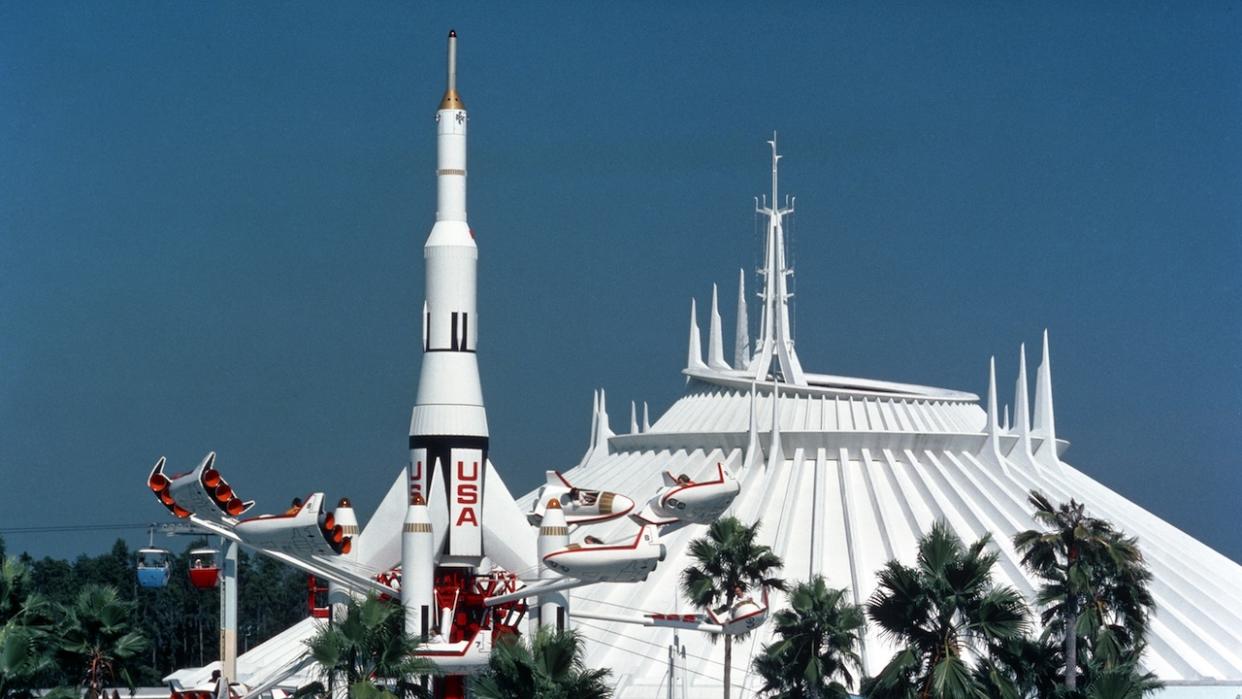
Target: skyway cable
[{"x": 51, "y": 528}]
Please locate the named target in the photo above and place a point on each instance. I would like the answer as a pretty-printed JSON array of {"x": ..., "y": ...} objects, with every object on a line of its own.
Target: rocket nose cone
[
  {"x": 414, "y": 513},
  {"x": 619, "y": 505},
  {"x": 553, "y": 516}
]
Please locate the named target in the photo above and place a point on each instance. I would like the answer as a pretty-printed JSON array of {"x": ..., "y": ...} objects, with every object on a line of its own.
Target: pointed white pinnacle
[
  {"x": 1045, "y": 423},
  {"x": 594, "y": 418},
  {"x": 1021, "y": 403},
  {"x": 694, "y": 358},
  {"x": 633, "y": 418},
  {"x": 646, "y": 422},
  {"x": 992, "y": 426},
  {"x": 741, "y": 342},
  {"x": 604, "y": 428},
  {"x": 715, "y": 340}
]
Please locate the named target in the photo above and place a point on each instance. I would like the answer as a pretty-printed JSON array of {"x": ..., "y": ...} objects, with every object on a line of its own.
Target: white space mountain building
[{"x": 844, "y": 474}]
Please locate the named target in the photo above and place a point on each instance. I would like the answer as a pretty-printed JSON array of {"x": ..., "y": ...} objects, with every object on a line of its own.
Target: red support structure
[{"x": 315, "y": 594}]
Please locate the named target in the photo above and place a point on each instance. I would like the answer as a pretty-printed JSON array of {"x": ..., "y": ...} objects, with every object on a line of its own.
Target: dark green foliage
[
  {"x": 730, "y": 564},
  {"x": 370, "y": 653},
  {"x": 25, "y": 638},
  {"x": 178, "y": 621},
  {"x": 550, "y": 667},
  {"x": 96, "y": 639},
  {"x": 938, "y": 610},
  {"x": 817, "y": 640},
  {"x": 1095, "y": 603}
]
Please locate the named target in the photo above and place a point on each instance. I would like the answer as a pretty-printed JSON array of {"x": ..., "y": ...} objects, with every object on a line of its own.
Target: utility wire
[
  {"x": 650, "y": 643},
  {"x": 51, "y": 528},
  {"x": 655, "y": 659}
]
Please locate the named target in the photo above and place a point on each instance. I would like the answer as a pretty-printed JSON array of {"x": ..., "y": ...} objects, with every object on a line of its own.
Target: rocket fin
[
  {"x": 507, "y": 537},
  {"x": 378, "y": 546}
]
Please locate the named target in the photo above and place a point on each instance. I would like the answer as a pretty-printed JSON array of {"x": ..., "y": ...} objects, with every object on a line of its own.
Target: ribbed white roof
[{"x": 858, "y": 479}]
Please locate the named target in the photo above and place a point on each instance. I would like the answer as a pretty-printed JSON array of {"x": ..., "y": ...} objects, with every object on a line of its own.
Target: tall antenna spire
[
  {"x": 775, "y": 345},
  {"x": 451, "y": 99}
]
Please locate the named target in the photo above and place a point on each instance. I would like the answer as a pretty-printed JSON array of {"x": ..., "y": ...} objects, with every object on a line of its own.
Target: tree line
[{"x": 42, "y": 601}]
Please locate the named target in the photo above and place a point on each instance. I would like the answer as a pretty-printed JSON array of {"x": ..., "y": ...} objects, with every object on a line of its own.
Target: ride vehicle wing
[{"x": 305, "y": 536}]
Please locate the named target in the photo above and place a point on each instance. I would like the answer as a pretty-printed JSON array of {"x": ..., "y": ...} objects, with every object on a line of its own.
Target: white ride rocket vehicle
[
  {"x": 688, "y": 501},
  {"x": 595, "y": 561},
  {"x": 580, "y": 506}
]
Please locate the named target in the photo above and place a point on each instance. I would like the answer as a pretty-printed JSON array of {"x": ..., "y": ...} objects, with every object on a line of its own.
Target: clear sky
[{"x": 212, "y": 215}]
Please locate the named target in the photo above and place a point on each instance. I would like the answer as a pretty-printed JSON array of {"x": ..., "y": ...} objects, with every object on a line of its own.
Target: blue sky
[{"x": 211, "y": 220}]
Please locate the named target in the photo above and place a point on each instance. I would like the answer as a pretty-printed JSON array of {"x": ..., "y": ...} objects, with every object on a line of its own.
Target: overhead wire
[
  {"x": 650, "y": 643},
  {"x": 54, "y": 528}
]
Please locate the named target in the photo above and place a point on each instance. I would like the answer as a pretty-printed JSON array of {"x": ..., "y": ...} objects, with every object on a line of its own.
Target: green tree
[
  {"x": 26, "y": 661},
  {"x": 940, "y": 611},
  {"x": 96, "y": 641},
  {"x": 369, "y": 650},
  {"x": 818, "y": 636},
  {"x": 730, "y": 562},
  {"x": 1020, "y": 667},
  {"x": 550, "y": 667},
  {"x": 1095, "y": 596}
]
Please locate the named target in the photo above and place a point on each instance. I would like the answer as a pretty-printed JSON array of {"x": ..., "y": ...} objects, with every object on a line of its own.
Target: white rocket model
[
  {"x": 448, "y": 427},
  {"x": 553, "y": 607},
  {"x": 418, "y": 569}
]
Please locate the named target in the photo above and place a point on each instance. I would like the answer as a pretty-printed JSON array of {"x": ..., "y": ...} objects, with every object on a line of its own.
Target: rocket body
[
  {"x": 553, "y": 607},
  {"x": 345, "y": 516},
  {"x": 448, "y": 428},
  {"x": 418, "y": 570}
]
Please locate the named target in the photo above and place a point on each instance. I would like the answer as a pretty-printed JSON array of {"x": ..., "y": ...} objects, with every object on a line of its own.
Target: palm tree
[
  {"x": 1020, "y": 667},
  {"x": 371, "y": 652},
  {"x": 96, "y": 639},
  {"x": 818, "y": 636},
  {"x": 25, "y": 641},
  {"x": 1123, "y": 680},
  {"x": 1095, "y": 585},
  {"x": 939, "y": 611},
  {"x": 731, "y": 563},
  {"x": 550, "y": 667}
]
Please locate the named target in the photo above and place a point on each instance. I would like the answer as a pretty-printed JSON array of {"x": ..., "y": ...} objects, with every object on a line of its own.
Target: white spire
[
  {"x": 600, "y": 431},
  {"x": 1008, "y": 424},
  {"x": 646, "y": 422},
  {"x": 1021, "y": 404},
  {"x": 605, "y": 430},
  {"x": 992, "y": 426},
  {"x": 741, "y": 342},
  {"x": 594, "y": 419},
  {"x": 992, "y": 448},
  {"x": 1045, "y": 423},
  {"x": 715, "y": 340},
  {"x": 775, "y": 344},
  {"x": 694, "y": 359},
  {"x": 633, "y": 418}
]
